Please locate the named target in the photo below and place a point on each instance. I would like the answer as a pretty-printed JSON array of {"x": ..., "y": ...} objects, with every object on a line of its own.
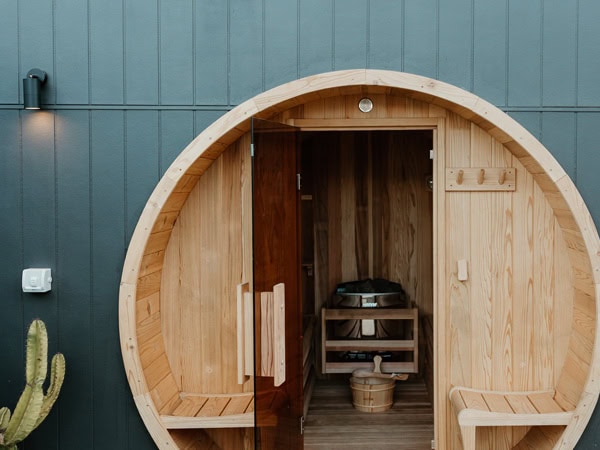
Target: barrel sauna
[{"x": 514, "y": 266}]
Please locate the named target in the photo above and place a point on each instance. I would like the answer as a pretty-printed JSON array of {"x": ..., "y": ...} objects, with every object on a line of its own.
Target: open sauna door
[{"x": 278, "y": 306}]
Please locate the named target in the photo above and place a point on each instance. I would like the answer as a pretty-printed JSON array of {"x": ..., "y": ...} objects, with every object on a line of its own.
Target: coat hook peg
[
  {"x": 459, "y": 177},
  {"x": 502, "y": 177},
  {"x": 481, "y": 176}
]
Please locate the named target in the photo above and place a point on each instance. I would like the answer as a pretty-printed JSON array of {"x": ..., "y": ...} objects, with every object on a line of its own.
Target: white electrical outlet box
[{"x": 36, "y": 280}]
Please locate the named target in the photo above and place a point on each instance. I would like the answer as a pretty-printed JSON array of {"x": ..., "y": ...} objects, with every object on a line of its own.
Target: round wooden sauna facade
[{"x": 496, "y": 250}]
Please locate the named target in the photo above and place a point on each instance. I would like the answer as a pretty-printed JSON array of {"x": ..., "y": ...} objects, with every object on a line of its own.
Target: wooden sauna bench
[{"x": 475, "y": 408}]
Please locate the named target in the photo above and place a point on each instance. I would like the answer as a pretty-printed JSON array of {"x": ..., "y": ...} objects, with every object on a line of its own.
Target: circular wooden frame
[{"x": 170, "y": 194}]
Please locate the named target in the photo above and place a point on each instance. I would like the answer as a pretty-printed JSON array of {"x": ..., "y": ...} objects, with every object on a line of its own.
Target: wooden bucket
[{"x": 372, "y": 394}]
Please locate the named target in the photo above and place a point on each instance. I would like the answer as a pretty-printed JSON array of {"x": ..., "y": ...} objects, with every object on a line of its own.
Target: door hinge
[
  {"x": 299, "y": 181},
  {"x": 301, "y": 424},
  {"x": 252, "y": 150},
  {"x": 433, "y": 444},
  {"x": 430, "y": 154}
]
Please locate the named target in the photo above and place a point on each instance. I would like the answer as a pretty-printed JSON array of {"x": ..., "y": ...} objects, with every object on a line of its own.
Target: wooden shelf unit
[{"x": 371, "y": 345}]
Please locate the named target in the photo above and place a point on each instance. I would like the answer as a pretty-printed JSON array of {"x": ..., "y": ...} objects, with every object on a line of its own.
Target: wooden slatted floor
[{"x": 333, "y": 424}]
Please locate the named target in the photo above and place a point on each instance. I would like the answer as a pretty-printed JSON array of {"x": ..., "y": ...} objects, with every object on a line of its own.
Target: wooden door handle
[
  {"x": 272, "y": 336},
  {"x": 245, "y": 332},
  {"x": 279, "y": 335}
]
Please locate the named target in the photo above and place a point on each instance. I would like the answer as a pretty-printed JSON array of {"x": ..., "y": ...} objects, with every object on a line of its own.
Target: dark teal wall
[{"x": 132, "y": 81}]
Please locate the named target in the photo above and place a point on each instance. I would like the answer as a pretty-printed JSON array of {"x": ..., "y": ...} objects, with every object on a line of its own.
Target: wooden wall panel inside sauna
[
  {"x": 371, "y": 211},
  {"x": 208, "y": 255}
]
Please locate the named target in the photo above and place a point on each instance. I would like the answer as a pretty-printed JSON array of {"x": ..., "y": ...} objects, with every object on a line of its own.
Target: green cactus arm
[
  {"x": 4, "y": 419},
  {"x": 26, "y": 412},
  {"x": 28, "y": 407},
  {"x": 57, "y": 376},
  {"x": 37, "y": 353}
]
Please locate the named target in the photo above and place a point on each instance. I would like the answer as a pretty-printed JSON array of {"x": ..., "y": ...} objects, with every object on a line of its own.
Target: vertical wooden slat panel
[
  {"x": 524, "y": 48},
  {"x": 141, "y": 52},
  {"x": 420, "y": 37},
  {"x": 281, "y": 41},
  {"x": 543, "y": 293},
  {"x": 455, "y": 43},
  {"x": 386, "y": 25},
  {"x": 316, "y": 37},
  {"x": 72, "y": 55},
  {"x": 350, "y": 31},
  {"x": 490, "y": 58},
  {"x": 523, "y": 300},
  {"x": 106, "y": 52},
  {"x": 458, "y": 294},
  {"x": 211, "y": 52},
  {"x": 9, "y": 69},
  {"x": 245, "y": 45},
  {"x": 588, "y": 53},
  {"x": 176, "y": 53},
  {"x": 74, "y": 268},
  {"x": 559, "y": 52}
]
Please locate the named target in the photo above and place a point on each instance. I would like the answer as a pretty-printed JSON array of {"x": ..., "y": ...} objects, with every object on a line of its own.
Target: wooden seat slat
[
  {"x": 497, "y": 403},
  {"x": 237, "y": 405},
  {"x": 213, "y": 407},
  {"x": 474, "y": 400},
  {"x": 521, "y": 404},
  {"x": 189, "y": 406},
  {"x": 544, "y": 403}
]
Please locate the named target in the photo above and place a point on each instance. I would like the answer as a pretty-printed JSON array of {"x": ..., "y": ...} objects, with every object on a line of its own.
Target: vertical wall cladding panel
[
  {"x": 141, "y": 162},
  {"x": 211, "y": 52},
  {"x": 36, "y": 42},
  {"x": 39, "y": 240},
  {"x": 489, "y": 51},
  {"x": 73, "y": 276},
  {"x": 559, "y": 53},
  {"x": 106, "y": 52},
  {"x": 421, "y": 37},
  {"x": 246, "y": 49},
  {"x": 203, "y": 119},
  {"x": 176, "y": 132},
  {"x": 281, "y": 42},
  {"x": 316, "y": 37},
  {"x": 588, "y": 54},
  {"x": 107, "y": 193},
  {"x": 12, "y": 337},
  {"x": 559, "y": 136},
  {"x": 588, "y": 161},
  {"x": 350, "y": 34},
  {"x": 531, "y": 120},
  {"x": 141, "y": 52},
  {"x": 71, "y": 47},
  {"x": 385, "y": 35},
  {"x": 524, "y": 52},
  {"x": 456, "y": 43},
  {"x": 176, "y": 53},
  {"x": 9, "y": 53}
]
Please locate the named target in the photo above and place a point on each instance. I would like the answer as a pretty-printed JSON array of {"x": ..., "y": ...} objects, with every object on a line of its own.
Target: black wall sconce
[{"x": 32, "y": 87}]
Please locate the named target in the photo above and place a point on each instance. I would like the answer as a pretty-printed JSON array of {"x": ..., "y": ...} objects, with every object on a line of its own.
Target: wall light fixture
[{"x": 32, "y": 88}]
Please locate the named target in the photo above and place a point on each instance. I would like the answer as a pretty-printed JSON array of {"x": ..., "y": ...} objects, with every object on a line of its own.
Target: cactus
[{"x": 33, "y": 406}]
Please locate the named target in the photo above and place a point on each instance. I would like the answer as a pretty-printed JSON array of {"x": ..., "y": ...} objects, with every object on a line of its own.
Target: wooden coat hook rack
[{"x": 481, "y": 179}]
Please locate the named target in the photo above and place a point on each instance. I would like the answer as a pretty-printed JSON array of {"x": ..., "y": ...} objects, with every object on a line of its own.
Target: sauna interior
[{"x": 482, "y": 238}]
